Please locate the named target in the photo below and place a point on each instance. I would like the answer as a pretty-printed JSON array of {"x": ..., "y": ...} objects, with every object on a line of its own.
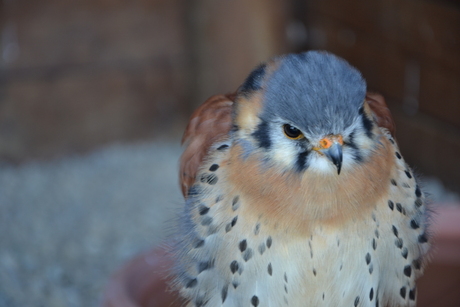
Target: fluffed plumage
[{"x": 297, "y": 195}]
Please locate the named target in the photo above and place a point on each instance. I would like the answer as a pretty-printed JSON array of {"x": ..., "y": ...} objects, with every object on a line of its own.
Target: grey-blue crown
[{"x": 317, "y": 91}]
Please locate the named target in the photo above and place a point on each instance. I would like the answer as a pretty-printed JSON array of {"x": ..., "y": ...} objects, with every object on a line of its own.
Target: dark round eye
[{"x": 292, "y": 132}]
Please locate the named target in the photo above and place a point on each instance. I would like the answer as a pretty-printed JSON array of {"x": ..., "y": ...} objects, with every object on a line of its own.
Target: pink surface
[{"x": 445, "y": 227}]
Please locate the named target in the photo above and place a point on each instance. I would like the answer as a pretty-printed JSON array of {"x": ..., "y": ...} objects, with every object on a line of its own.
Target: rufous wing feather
[
  {"x": 209, "y": 123},
  {"x": 383, "y": 115}
]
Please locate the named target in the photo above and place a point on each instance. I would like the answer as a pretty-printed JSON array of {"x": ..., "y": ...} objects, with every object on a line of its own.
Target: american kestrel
[{"x": 297, "y": 194}]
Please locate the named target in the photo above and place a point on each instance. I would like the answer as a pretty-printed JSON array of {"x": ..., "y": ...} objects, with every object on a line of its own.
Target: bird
[{"x": 296, "y": 194}]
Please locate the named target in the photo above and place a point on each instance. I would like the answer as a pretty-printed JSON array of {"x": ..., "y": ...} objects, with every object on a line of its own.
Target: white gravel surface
[{"x": 66, "y": 225}]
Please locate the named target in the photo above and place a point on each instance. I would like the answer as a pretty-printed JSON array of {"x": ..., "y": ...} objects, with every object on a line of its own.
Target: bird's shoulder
[
  {"x": 381, "y": 111},
  {"x": 210, "y": 123}
]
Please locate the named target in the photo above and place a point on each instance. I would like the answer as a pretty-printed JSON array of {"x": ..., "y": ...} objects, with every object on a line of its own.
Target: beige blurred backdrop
[
  {"x": 95, "y": 94},
  {"x": 78, "y": 74}
]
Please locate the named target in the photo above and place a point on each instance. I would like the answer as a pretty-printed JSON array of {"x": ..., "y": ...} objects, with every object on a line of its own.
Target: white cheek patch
[
  {"x": 348, "y": 161},
  {"x": 363, "y": 142},
  {"x": 321, "y": 164},
  {"x": 285, "y": 151}
]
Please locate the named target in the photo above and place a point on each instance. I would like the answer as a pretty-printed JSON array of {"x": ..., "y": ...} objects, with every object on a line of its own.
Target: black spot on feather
[
  {"x": 257, "y": 229},
  {"x": 399, "y": 242},
  {"x": 408, "y": 270},
  {"x": 391, "y": 205},
  {"x": 395, "y": 230},
  {"x": 223, "y": 293},
  {"x": 222, "y": 147},
  {"x": 405, "y": 252},
  {"x": 199, "y": 243},
  {"x": 206, "y": 265},
  {"x": 200, "y": 302},
  {"x": 408, "y": 174},
  {"x": 261, "y": 248},
  {"x": 402, "y": 292},
  {"x": 191, "y": 283},
  {"x": 417, "y": 263},
  {"x": 211, "y": 179},
  {"x": 206, "y": 221},
  {"x": 247, "y": 254},
  {"x": 368, "y": 258},
  {"x": 422, "y": 238},
  {"x": 412, "y": 294},
  {"x": 418, "y": 193},
  {"x": 193, "y": 191},
  {"x": 255, "y": 301},
  {"x": 235, "y": 203},
  {"x": 269, "y": 241},
  {"x": 243, "y": 245},
  {"x": 234, "y": 266},
  {"x": 213, "y": 167},
  {"x": 202, "y": 209}
]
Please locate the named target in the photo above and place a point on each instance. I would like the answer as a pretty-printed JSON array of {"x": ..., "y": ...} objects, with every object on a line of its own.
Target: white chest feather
[{"x": 229, "y": 256}]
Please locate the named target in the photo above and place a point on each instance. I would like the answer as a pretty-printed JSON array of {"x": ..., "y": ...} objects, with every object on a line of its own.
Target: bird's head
[{"x": 305, "y": 113}]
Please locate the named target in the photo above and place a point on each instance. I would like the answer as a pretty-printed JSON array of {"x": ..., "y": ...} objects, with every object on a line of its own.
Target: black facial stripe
[
  {"x": 254, "y": 81},
  {"x": 357, "y": 156},
  {"x": 351, "y": 143},
  {"x": 367, "y": 124},
  {"x": 261, "y": 135},
  {"x": 301, "y": 163}
]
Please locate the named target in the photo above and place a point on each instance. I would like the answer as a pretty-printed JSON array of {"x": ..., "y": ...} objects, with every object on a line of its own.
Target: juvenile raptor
[{"x": 297, "y": 194}]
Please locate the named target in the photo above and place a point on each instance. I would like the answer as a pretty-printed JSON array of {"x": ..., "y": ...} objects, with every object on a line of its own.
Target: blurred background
[{"x": 94, "y": 96}]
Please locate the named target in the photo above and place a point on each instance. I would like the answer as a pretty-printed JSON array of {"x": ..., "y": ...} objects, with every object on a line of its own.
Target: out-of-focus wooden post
[{"x": 228, "y": 39}]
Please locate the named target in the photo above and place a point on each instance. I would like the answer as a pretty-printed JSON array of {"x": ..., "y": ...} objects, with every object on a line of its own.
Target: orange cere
[{"x": 329, "y": 140}]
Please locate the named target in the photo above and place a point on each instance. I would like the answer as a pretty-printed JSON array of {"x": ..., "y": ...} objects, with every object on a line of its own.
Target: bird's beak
[{"x": 331, "y": 147}]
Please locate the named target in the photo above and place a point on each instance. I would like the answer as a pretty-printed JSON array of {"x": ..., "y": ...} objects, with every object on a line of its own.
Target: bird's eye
[{"x": 292, "y": 132}]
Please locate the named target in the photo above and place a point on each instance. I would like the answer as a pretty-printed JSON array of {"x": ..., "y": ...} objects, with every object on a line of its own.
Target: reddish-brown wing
[
  {"x": 209, "y": 123},
  {"x": 379, "y": 107},
  {"x": 212, "y": 121}
]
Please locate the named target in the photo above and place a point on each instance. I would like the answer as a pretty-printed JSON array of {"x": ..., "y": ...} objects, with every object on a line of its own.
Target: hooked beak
[{"x": 331, "y": 147}]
